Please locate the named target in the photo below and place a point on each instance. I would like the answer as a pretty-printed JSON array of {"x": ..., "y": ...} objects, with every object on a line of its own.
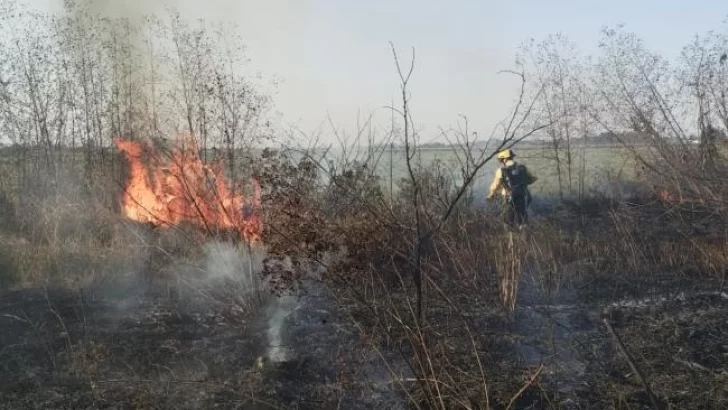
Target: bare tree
[
  {"x": 220, "y": 106},
  {"x": 558, "y": 71},
  {"x": 662, "y": 108},
  {"x": 704, "y": 69}
]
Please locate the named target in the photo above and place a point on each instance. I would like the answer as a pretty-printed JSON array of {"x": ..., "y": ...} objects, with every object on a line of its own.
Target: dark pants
[{"x": 514, "y": 211}]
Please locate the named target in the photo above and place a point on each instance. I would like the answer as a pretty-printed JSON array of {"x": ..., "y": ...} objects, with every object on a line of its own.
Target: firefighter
[{"x": 512, "y": 180}]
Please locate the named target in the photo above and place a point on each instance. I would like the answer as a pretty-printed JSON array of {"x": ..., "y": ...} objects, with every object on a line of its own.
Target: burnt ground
[
  {"x": 65, "y": 350},
  {"x": 675, "y": 330},
  {"x": 131, "y": 349}
]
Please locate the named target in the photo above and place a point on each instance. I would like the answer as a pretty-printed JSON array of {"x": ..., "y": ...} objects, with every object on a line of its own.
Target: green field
[{"x": 598, "y": 169}]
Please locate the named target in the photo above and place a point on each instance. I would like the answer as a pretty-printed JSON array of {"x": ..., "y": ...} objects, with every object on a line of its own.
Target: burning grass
[{"x": 181, "y": 188}]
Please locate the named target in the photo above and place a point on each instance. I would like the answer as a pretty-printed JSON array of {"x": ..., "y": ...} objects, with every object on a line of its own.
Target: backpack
[{"x": 515, "y": 180}]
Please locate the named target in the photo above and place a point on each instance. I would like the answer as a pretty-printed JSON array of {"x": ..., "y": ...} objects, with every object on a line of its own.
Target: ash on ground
[{"x": 179, "y": 350}]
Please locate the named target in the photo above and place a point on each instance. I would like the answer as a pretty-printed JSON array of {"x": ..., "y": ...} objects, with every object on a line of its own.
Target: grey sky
[{"x": 333, "y": 56}]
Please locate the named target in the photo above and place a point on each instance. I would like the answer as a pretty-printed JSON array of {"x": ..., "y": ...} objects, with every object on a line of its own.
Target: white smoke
[
  {"x": 277, "y": 312},
  {"x": 240, "y": 263}
]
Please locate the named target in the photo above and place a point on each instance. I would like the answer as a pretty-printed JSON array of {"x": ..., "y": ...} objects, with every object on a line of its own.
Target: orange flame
[
  {"x": 671, "y": 198},
  {"x": 185, "y": 190}
]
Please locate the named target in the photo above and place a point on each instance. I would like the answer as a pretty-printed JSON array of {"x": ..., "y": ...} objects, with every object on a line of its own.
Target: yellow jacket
[{"x": 497, "y": 184}]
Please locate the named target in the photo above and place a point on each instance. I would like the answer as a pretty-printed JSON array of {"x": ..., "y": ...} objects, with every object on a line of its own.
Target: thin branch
[
  {"x": 622, "y": 349},
  {"x": 525, "y": 387}
]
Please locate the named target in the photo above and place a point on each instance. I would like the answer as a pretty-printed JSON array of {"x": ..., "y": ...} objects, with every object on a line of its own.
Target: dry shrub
[
  {"x": 61, "y": 239},
  {"x": 67, "y": 234},
  {"x": 311, "y": 213},
  {"x": 290, "y": 204},
  {"x": 70, "y": 264}
]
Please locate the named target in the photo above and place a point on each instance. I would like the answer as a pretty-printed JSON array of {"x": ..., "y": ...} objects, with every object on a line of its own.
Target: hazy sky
[{"x": 333, "y": 56}]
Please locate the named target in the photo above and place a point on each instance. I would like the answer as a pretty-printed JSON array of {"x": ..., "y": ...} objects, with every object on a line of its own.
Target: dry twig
[{"x": 621, "y": 347}]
